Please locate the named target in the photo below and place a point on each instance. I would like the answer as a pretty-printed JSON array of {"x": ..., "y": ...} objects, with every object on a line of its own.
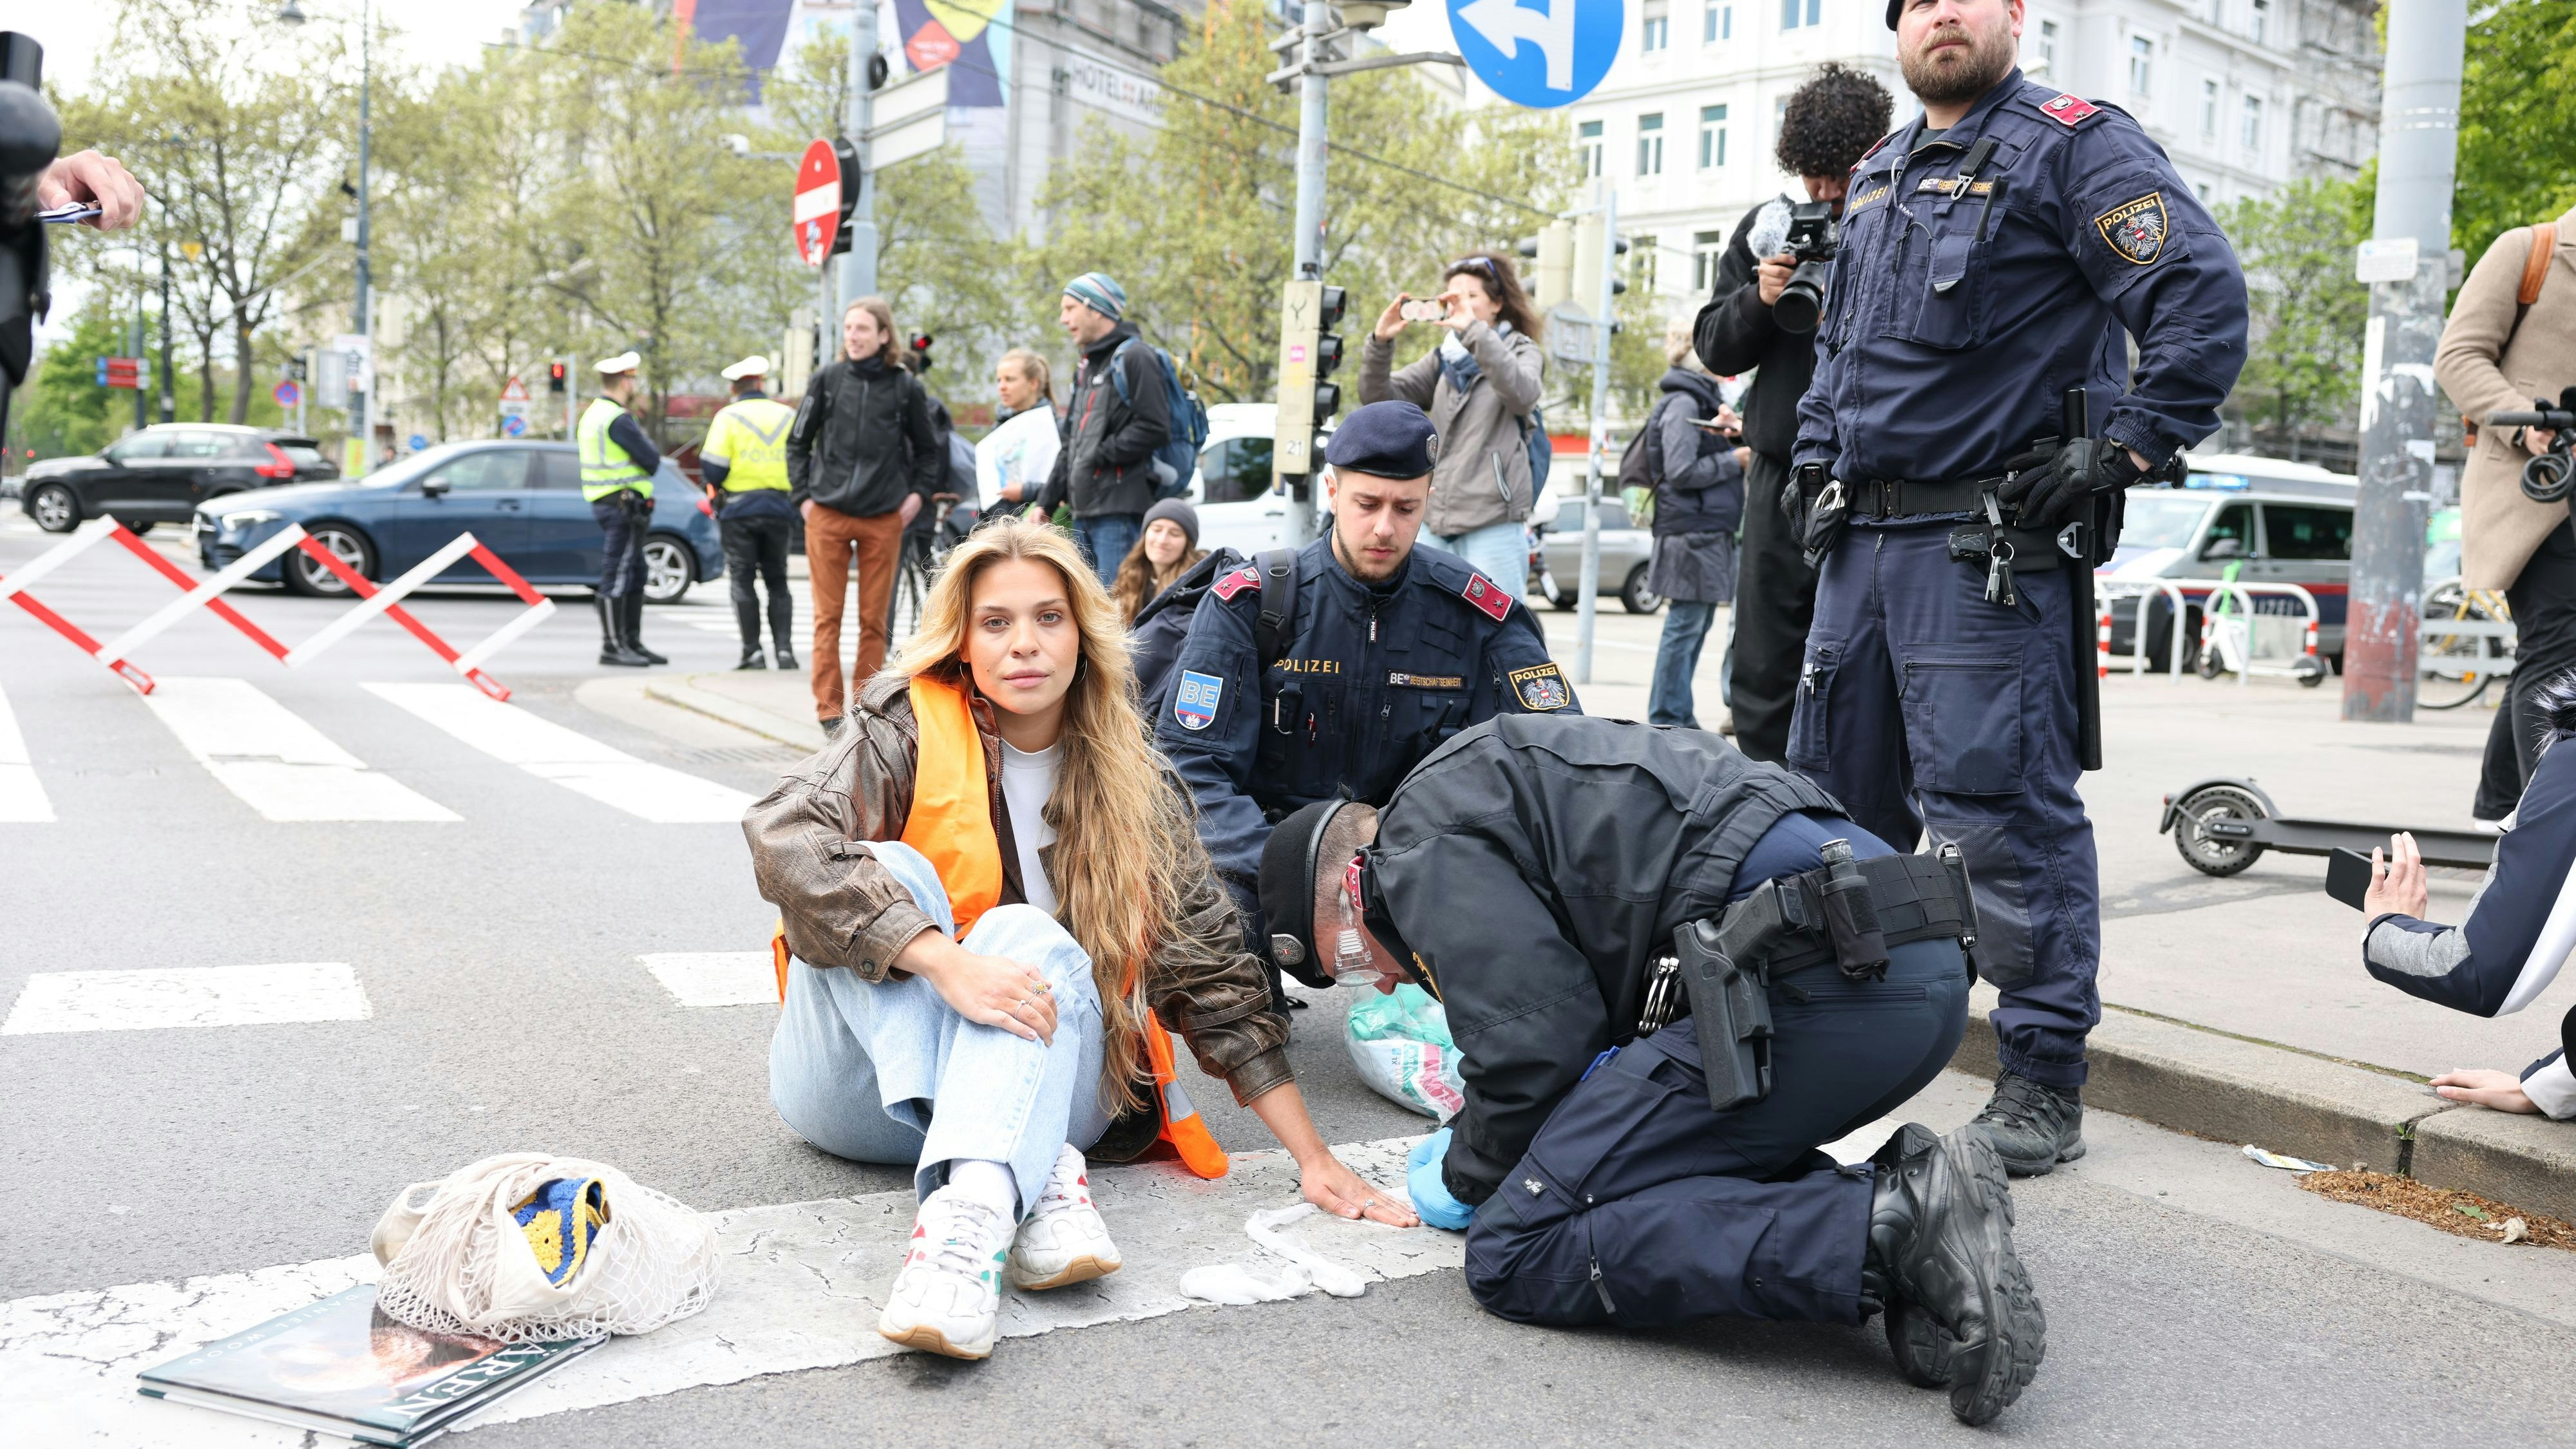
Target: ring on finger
[{"x": 1042, "y": 989}]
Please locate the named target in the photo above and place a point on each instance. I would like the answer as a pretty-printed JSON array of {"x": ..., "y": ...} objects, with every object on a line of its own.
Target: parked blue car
[{"x": 522, "y": 499}]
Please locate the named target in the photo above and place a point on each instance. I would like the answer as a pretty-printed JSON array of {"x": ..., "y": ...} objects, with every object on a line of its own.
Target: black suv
[{"x": 160, "y": 474}]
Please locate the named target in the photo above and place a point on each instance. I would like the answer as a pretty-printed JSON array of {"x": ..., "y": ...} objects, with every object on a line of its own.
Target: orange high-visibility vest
[{"x": 951, "y": 824}]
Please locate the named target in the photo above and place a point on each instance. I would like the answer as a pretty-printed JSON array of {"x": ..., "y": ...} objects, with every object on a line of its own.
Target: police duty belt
[{"x": 1847, "y": 916}]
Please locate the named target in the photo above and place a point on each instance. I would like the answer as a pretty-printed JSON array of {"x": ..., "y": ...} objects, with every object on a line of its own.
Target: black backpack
[{"x": 1154, "y": 640}]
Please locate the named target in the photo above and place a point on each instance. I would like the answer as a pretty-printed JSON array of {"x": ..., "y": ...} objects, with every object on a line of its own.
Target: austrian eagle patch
[
  {"x": 2136, "y": 230},
  {"x": 1541, "y": 688}
]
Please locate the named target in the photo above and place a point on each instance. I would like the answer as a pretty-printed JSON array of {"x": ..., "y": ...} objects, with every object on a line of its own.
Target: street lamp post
[{"x": 292, "y": 14}]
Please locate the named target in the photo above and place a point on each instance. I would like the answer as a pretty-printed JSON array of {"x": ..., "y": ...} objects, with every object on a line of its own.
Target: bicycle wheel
[
  {"x": 903, "y": 608},
  {"x": 2454, "y": 669}
]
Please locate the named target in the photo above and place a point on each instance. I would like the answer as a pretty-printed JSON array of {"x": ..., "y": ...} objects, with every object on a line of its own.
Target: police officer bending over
[
  {"x": 1958, "y": 491},
  {"x": 1672, "y": 973},
  {"x": 1331, "y": 671}
]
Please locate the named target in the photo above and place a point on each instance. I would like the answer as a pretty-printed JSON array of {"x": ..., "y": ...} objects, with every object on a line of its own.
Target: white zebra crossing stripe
[
  {"x": 167, "y": 997},
  {"x": 277, "y": 763},
  {"x": 802, "y": 1286},
  {"x": 22, "y": 796},
  {"x": 716, "y": 978},
  {"x": 569, "y": 758}
]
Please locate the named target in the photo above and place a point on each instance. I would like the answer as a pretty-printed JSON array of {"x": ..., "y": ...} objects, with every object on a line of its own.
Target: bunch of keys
[{"x": 1999, "y": 557}]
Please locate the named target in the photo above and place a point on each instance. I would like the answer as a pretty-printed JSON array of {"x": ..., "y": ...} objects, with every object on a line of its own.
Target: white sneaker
[
  {"x": 1064, "y": 1241},
  {"x": 948, "y": 1296}
]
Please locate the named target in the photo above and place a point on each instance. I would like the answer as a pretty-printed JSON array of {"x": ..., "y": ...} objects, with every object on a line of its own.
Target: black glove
[{"x": 2051, "y": 485}]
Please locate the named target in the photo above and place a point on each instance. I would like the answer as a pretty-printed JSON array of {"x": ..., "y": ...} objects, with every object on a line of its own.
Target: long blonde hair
[
  {"x": 1111, "y": 794},
  {"x": 1139, "y": 582}
]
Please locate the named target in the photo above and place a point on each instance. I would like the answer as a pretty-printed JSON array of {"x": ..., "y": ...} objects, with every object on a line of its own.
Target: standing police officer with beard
[{"x": 1998, "y": 252}]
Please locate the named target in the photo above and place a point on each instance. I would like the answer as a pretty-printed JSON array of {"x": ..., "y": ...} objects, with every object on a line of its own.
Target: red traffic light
[{"x": 554, "y": 377}]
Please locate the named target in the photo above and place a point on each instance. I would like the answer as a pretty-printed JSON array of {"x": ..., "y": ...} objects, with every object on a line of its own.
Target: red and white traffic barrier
[
  {"x": 2102, "y": 637},
  {"x": 116, "y": 652}
]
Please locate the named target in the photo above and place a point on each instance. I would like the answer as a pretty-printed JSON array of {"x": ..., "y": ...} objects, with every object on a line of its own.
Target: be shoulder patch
[
  {"x": 1246, "y": 577},
  {"x": 2068, "y": 111},
  {"x": 1194, "y": 702},
  {"x": 1541, "y": 688},
  {"x": 2136, "y": 230},
  {"x": 1493, "y": 601}
]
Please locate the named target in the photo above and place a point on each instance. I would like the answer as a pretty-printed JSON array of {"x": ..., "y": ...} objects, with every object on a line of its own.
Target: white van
[{"x": 1236, "y": 508}]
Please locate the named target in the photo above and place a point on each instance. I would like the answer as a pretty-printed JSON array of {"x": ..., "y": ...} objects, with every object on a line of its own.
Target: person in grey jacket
[
  {"x": 1699, "y": 504},
  {"x": 1117, "y": 417},
  {"x": 1480, "y": 387}
]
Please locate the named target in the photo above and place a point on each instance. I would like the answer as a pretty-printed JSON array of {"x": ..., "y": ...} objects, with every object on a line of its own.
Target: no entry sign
[{"x": 817, "y": 210}]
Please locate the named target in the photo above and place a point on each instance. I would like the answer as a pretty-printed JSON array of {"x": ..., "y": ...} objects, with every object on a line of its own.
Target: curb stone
[
  {"x": 683, "y": 692},
  {"x": 2529, "y": 1162}
]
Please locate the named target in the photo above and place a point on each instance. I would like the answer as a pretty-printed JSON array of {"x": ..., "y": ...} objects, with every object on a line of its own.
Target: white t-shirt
[
  {"x": 1021, "y": 449},
  {"x": 1027, "y": 781}
]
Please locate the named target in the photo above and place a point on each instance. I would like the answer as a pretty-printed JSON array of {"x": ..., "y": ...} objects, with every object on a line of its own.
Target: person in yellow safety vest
[
  {"x": 744, "y": 463},
  {"x": 617, "y": 467},
  {"x": 995, "y": 911}
]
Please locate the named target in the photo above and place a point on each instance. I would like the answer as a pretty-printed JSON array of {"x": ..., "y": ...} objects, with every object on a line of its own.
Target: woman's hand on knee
[{"x": 986, "y": 990}]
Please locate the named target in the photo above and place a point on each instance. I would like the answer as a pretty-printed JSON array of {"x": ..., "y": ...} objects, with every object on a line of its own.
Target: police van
[{"x": 2275, "y": 522}]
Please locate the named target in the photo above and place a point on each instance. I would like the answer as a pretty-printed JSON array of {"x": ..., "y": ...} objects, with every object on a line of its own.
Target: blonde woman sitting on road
[{"x": 996, "y": 904}]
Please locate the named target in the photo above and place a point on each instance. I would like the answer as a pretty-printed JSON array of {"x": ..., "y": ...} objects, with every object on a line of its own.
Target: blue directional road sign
[
  {"x": 1538, "y": 53},
  {"x": 418, "y": 442}
]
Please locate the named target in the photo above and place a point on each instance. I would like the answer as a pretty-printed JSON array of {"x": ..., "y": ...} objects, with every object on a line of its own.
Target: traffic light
[
  {"x": 848, "y": 155},
  {"x": 1308, "y": 352},
  {"x": 920, "y": 347},
  {"x": 1553, "y": 277},
  {"x": 1328, "y": 352},
  {"x": 554, "y": 377},
  {"x": 1591, "y": 260}
]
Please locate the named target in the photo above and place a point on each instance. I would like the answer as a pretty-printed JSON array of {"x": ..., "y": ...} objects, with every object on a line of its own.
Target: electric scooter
[{"x": 2221, "y": 826}]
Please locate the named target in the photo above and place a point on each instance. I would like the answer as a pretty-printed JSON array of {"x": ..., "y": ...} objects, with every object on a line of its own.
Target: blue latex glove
[{"x": 1430, "y": 1195}]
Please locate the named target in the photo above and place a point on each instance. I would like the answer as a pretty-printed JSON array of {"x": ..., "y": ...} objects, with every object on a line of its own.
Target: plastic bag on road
[
  {"x": 1400, "y": 1043},
  {"x": 527, "y": 1247}
]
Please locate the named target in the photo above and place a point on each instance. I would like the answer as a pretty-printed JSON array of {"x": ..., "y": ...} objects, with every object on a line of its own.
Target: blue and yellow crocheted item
[{"x": 561, "y": 1218}]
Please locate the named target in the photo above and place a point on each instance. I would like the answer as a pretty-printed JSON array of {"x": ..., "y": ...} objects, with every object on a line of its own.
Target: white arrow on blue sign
[{"x": 1542, "y": 54}]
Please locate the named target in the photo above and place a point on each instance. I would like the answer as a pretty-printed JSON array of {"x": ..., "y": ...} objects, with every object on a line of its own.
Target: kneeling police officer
[{"x": 1672, "y": 973}]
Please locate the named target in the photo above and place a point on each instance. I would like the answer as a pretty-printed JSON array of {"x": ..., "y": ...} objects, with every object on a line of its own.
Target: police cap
[{"x": 1392, "y": 439}]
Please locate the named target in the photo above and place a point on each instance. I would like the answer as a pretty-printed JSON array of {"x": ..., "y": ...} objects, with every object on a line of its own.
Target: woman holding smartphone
[{"x": 997, "y": 907}]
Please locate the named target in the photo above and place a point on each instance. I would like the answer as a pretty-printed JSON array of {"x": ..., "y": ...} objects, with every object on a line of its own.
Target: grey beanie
[{"x": 1179, "y": 511}]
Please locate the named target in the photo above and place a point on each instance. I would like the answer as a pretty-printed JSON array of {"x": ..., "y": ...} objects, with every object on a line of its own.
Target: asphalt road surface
[{"x": 465, "y": 971}]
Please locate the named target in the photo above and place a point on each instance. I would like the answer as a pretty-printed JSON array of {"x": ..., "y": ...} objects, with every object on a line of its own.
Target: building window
[
  {"x": 1716, "y": 23},
  {"x": 1712, "y": 136},
  {"x": 2252, "y": 134},
  {"x": 1789, "y": 12},
  {"x": 1641, "y": 265},
  {"x": 2048, "y": 47},
  {"x": 1657, "y": 31},
  {"x": 2209, "y": 110},
  {"x": 1587, "y": 138},
  {"x": 1706, "y": 248},
  {"x": 2142, "y": 57},
  {"x": 2260, "y": 25},
  {"x": 1650, "y": 144}
]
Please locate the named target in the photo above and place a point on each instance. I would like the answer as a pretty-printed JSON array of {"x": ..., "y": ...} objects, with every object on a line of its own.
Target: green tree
[
  {"x": 62, "y": 410},
  {"x": 2517, "y": 121},
  {"x": 2306, "y": 313}
]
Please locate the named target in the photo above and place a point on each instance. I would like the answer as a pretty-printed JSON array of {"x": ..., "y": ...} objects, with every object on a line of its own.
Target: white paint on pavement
[
  {"x": 277, "y": 763},
  {"x": 165, "y": 997},
  {"x": 22, "y": 796},
  {"x": 800, "y": 1288},
  {"x": 568, "y": 757},
  {"x": 716, "y": 978}
]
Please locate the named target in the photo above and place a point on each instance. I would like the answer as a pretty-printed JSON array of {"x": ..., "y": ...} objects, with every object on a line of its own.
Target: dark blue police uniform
[
  {"x": 1370, "y": 678},
  {"x": 1961, "y": 307}
]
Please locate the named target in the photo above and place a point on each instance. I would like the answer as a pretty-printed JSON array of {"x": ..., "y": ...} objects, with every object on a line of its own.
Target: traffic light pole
[
  {"x": 859, "y": 264},
  {"x": 1309, "y": 256},
  {"x": 1588, "y": 589}
]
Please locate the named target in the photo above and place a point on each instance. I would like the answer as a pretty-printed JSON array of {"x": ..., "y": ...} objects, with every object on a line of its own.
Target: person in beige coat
[
  {"x": 1481, "y": 388},
  {"x": 2496, "y": 355}
]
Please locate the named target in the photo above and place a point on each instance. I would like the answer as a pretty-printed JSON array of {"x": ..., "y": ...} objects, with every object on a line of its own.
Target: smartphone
[
  {"x": 1423, "y": 309},
  {"x": 69, "y": 211},
  {"x": 2348, "y": 876}
]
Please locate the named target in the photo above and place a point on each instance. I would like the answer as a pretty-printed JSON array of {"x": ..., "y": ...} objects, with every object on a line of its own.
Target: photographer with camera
[
  {"x": 1829, "y": 123},
  {"x": 2511, "y": 340}
]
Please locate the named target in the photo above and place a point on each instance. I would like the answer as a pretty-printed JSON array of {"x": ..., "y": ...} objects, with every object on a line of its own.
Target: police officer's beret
[
  {"x": 1392, "y": 439},
  {"x": 1288, "y": 891}
]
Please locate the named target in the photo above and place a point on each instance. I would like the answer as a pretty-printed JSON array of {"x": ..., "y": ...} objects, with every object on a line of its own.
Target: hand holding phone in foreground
[{"x": 2396, "y": 880}]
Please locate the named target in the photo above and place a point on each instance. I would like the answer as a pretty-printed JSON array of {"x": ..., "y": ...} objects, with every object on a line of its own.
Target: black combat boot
[
  {"x": 635, "y": 629},
  {"x": 2034, "y": 1127},
  {"x": 1922, "y": 1348},
  {"x": 1940, "y": 1246},
  {"x": 612, "y": 636},
  {"x": 786, "y": 656},
  {"x": 752, "y": 658}
]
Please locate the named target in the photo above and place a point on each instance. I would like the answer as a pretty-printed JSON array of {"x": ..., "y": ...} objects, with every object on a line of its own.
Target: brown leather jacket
[{"x": 809, "y": 849}]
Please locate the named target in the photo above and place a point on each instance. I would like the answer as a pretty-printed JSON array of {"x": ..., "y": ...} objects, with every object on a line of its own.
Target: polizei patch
[
  {"x": 1541, "y": 688},
  {"x": 2136, "y": 229},
  {"x": 1194, "y": 702}
]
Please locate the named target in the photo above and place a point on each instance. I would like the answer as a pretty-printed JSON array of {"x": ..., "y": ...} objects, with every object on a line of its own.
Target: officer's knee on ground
[{"x": 1532, "y": 1269}]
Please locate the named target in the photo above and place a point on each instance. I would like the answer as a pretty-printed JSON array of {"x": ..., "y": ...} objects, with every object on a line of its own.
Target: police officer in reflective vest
[
  {"x": 1673, "y": 974},
  {"x": 1333, "y": 669},
  {"x": 1961, "y": 459},
  {"x": 744, "y": 463},
  {"x": 617, "y": 466}
]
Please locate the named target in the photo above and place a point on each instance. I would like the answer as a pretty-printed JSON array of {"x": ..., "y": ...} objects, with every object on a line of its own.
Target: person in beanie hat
[
  {"x": 1168, "y": 549},
  {"x": 1105, "y": 471}
]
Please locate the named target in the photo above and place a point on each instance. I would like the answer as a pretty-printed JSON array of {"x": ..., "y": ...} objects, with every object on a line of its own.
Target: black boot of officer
[
  {"x": 634, "y": 619},
  {"x": 2034, "y": 1127},
  {"x": 1959, "y": 1305},
  {"x": 612, "y": 635}
]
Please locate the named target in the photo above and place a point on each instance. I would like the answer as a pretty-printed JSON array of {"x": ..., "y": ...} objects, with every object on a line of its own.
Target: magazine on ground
[{"x": 341, "y": 1367}]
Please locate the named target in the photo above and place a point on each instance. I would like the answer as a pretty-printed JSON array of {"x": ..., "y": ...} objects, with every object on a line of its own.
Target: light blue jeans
[
  {"x": 1671, "y": 699},
  {"x": 1106, "y": 539},
  {"x": 860, "y": 1069},
  {"x": 1499, "y": 551}
]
